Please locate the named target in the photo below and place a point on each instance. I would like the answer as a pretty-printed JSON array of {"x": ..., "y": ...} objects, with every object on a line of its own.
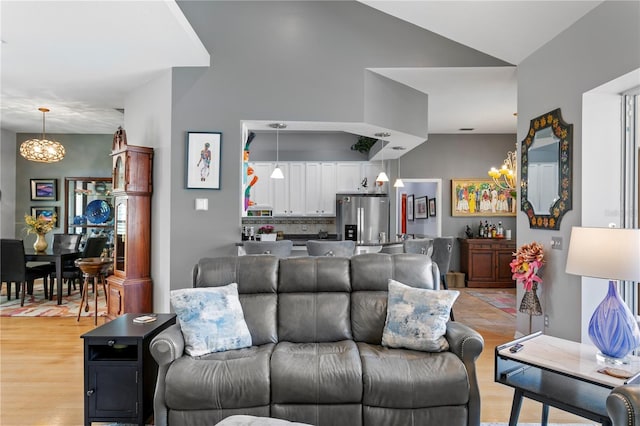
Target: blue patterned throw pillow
[
  {"x": 211, "y": 319},
  {"x": 417, "y": 317}
]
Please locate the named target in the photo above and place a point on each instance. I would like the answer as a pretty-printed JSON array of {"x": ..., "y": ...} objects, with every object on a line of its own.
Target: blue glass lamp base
[
  {"x": 608, "y": 360},
  {"x": 613, "y": 328}
]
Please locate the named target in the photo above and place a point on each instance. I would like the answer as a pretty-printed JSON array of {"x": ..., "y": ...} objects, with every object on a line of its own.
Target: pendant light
[
  {"x": 398, "y": 183},
  {"x": 277, "y": 172},
  {"x": 382, "y": 176},
  {"x": 42, "y": 150}
]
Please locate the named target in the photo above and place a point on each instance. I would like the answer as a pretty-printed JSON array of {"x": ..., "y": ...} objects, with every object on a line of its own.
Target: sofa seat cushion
[
  {"x": 232, "y": 379},
  {"x": 316, "y": 373},
  {"x": 402, "y": 378}
]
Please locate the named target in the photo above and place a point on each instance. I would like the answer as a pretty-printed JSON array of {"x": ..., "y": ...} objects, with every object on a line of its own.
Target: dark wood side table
[
  {"x": 119, "y": 371},
  {"x": 558, "y": 373}
]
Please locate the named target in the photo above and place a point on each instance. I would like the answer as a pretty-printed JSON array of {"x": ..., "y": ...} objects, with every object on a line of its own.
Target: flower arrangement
[
  {"x": 40, "y": 224},
  {"x": 266, "y": 229},
  {"x": 528, "y": 260}
]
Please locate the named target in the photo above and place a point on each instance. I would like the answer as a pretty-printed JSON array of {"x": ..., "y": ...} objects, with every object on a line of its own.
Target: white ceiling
[{"x": 80, "y": 58}]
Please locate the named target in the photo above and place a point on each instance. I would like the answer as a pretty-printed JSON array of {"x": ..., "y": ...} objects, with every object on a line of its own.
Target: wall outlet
[
  {"x": 546, "y": 320},
  {"x": 556, "y": 243},
  {"x": 305, "y": 227}
]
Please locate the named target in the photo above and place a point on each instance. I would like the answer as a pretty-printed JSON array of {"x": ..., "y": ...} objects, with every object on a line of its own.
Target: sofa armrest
[
  {"x": 165, "y": 348},
  {"x": 623, "y": 405},
  {"x": 168, "y": 345},
  {"x": 467, "y": 344}
]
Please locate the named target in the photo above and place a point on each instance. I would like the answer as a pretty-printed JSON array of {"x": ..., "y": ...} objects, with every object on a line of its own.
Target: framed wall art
[
  {"x": 203, "y": 160},
  {"x": 432, "y": 207},
  {"x": 420, "y": 208},
  {"x": 410, "y": 207},
  {"x": 481, "y": 197},
  {"x": 44, "y": 189},
  {"x": 46, "y": 212}
]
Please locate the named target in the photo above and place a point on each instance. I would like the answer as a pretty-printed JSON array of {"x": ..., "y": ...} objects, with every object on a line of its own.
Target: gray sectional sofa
[{"x": 316, "y": 326}]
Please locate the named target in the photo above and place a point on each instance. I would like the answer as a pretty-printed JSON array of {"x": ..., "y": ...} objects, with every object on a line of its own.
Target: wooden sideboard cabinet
[{"x": 485, "y": 262}]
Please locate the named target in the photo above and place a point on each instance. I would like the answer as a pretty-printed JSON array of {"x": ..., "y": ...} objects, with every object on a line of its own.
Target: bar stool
[{"x": 94, "y": 268}]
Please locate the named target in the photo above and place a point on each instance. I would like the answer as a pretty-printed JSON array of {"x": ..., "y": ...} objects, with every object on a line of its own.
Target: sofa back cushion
[
  {"x": 314, "y": 299},
  {"x": 370, "y": 274},
  {"x": 256, "y": 277}
]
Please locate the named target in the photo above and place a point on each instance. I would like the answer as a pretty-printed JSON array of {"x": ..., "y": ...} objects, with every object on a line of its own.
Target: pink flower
[{"x": 526, "y": 265}]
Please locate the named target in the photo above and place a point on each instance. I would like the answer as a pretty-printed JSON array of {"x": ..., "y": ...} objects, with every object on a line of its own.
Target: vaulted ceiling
[{"x": 81, "y": 58}]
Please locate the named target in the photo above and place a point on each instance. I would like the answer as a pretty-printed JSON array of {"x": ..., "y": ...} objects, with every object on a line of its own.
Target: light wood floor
[{"x": 41, "y": 368}]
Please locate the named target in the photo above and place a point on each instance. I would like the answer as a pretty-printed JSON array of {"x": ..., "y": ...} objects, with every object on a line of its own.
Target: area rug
[
  {"x": 36, "y": 305},
  {"x": 505, "y": 300}
]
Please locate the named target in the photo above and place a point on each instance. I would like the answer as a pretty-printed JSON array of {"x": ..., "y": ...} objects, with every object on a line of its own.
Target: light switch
[
  {"x": 202, "y": 204},
  {"x": 556, "y": 243}
]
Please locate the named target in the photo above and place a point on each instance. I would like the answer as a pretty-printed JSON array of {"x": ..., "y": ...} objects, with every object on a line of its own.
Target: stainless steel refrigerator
[{"x": 362, "y": 217}]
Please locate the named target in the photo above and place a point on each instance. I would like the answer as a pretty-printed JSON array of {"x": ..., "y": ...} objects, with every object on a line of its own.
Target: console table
[
  {"x": 485, "y": 261},
  {"x": 558, "y": 373},
  {"x": 119, "y": 371}
]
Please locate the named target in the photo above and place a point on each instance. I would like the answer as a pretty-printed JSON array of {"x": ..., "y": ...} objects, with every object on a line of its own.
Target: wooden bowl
[{"x": 94, "y": 265}]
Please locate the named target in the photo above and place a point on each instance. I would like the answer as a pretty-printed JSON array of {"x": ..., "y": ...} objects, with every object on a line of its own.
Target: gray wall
[
  {"x": 305, "y": 146},
  {"x": 602, "y": 46},
  {"x": 7, "y": 184},
  {"x": 86, "y": 155},
  {"x": 277, "y": 61},
  {"x": 456, "y": 156}
]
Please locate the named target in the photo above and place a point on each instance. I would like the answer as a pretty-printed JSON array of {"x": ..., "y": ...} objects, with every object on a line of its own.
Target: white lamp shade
[
  {"x": 608, "y": 253},
  {"x": 382, "y": 177},
  {"x": 277, "y": 173},
  {"x": 399, "y": 183}
]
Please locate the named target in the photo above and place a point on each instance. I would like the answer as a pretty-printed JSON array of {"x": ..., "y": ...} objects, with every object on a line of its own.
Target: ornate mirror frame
[{"x": 563, "y": 204}]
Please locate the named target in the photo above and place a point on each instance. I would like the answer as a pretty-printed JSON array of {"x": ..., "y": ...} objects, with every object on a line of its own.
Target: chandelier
[
  {"x": 505, "y": 177},
  {"x": 42, "y": 150}
]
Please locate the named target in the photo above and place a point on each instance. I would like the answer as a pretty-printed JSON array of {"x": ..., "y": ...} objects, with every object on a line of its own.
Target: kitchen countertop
[{"x": 303, "y": 241}]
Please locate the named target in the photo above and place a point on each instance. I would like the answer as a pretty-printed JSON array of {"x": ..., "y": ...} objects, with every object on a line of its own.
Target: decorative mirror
[{"x": 546, "y": 171}]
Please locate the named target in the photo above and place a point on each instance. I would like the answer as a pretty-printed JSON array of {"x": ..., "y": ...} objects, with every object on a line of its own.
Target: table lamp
[{"x": 613, "y": 254}]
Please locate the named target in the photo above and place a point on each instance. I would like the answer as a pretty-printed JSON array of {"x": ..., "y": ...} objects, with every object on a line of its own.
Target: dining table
[{"x": 58, "y": 256}]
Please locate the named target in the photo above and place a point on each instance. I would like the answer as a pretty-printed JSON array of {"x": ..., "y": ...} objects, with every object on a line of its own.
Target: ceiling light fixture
[
  {"x": 382, "y": 134},
  {"x": 505, "y": 178},
  {"x": 398, "y": 183},
  {"x": 42, "y": 150},
  {"x": 382, "y": 176},
  {"x": 277, "y": 172}
]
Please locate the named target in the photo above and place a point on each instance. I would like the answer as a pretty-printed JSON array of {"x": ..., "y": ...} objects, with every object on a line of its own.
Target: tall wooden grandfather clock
[{"x": 130, "y": 287}]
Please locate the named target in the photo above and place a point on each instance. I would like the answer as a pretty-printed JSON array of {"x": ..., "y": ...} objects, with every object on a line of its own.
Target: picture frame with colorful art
[
  {"x": 481, "y": 197},
  {"x": 420, "y": 207},
  {"x": 203, "y": 159},
  {"x": 47, "y": 212},
  {"x": 44, "y": 189}
]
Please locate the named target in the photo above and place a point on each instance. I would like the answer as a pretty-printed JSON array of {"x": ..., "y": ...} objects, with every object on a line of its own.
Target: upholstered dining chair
[
  {"x": 418, "y": 246},
  {"x": 13, "y": 268},
  {"x": 345, "y": 248},
  {"x": 442, "y": 248},
  {"x": 281, "y": 248}
]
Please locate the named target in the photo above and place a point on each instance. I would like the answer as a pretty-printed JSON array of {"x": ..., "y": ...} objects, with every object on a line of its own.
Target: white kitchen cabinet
[
  {"x": 348, "y": 176},
  {"x": 289, "y": 193},
  {"x": 262, "y": 191},
  {"x": 320, "y": 188}
]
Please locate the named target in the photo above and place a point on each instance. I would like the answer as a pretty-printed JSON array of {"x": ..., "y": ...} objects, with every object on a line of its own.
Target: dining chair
[
  {"x": 281, "y": 248},
  {"x": 442, "y": 248},
  {"x": 13, "y": 268},
  {"x": 345, "y": 248},
  {"x": 93, "y": 247},
  {"x": 418, "y": 246}
]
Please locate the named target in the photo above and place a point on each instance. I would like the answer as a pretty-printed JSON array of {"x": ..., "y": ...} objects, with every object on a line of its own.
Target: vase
[
  {"x": 612, "y": 327},
  {"x": 268, "y": 237},
  {"x": 41, "y": 243},
  {"x": 530, "y": 303}
]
